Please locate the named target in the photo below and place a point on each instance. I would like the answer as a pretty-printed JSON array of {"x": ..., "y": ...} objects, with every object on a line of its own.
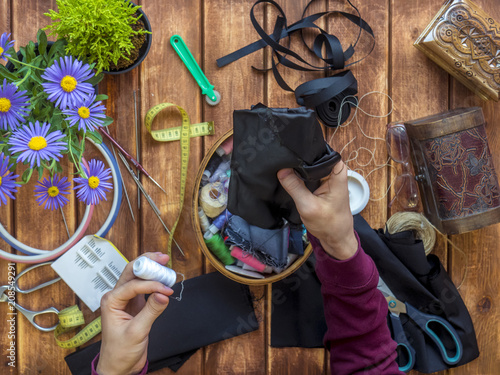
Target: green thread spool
[{"x": 216, "y": 244}]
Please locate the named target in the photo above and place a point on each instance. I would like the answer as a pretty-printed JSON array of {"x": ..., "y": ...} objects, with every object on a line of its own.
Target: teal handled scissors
[
  {"x": 30, "y": 315},
  {"x": 426, "y": 322}
]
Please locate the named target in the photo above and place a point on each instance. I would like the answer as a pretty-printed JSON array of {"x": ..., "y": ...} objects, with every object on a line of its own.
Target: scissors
[
  {"x": 30, "y": 315},
  {"x": 424, "y": 321}
]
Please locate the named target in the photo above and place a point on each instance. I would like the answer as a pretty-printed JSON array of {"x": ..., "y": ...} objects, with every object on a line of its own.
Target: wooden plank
[
  {"x": 41, "y": 229},
  {"x": 227, "y": 27},
  {"x": 480, "y": 290},
  {"x": 9, "y": 337},
  {"x": 290, "y": 360},
  {"x": 164, "y": 78}
]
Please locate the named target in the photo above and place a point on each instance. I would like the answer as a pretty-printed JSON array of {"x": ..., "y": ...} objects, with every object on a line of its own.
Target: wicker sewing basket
[{"x": 211, "y": 257}]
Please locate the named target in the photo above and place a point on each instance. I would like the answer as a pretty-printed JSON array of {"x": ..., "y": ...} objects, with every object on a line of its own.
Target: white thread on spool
[
  {"x": 359, "y": 192},
  {"x": 204, "y": 222},
  {"x": 147, "y": 269}
]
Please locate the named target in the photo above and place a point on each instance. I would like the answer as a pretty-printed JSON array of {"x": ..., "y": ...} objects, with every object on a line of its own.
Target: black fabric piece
[
  {"x": 422, "y": 282},
  {"x": 297, "y": 317},
  {"x": 325, "y": 94},
  {"x": 213, "y": 308},
  {"x": 265, "y": 141}
]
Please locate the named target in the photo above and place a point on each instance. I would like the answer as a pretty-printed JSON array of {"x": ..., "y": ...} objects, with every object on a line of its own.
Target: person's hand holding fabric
[
  {"x": 325, "y": 213},
  {"x": 127, "y": 319}
]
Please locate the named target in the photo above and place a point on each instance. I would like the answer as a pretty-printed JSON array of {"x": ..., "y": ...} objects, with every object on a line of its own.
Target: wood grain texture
[
  {"x": 481, "y": 288},
  {"x": 6, "y": 214},
  {"x": 164, "y": 78},
  {"x": 226, "y": 28}
]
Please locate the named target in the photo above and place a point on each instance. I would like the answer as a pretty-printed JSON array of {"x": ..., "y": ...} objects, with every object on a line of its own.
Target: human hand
[
  {"x": 325, "y": 213},
  {"x": 127, "y": 319}
]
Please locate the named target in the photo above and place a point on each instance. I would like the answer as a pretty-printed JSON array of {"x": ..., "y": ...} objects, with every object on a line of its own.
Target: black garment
[
  {"x": 412, "y": 277},
  {"x": 213, "y": 308},
  {"x": 298, "y": 318},
  {"x": 422, "y": 282},
  {"x": 265, "y": 141}
]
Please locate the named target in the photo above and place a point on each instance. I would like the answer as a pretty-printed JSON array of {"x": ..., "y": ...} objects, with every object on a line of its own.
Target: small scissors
[
  {"x": 30, "y": 315},
  {"x": 423, "y": 320}
]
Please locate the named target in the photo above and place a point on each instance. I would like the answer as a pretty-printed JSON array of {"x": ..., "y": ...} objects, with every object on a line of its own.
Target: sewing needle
[
  {"x": 123, "y": 183},
  {"x": 137, "y": 147},
  {"x": 64, "y": 219},
  {"x": 132, "y": 160},
  {"x": 148, "y": 199}
]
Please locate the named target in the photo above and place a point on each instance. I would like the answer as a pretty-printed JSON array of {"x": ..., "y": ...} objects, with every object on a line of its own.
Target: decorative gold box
[
  {"x": 465, "y": 41},
  {"x": 455, "y": 173}
]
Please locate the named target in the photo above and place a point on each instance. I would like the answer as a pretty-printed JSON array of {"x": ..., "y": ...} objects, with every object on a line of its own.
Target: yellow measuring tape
[
  {"x": 182, "y": 133},
  {"x": 71, "y": 318}
]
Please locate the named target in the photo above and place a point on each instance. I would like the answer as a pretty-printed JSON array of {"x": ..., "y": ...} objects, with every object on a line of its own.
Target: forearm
[
  {"x": 96, "y": 361},
  {"x": 358, "y": 336}
]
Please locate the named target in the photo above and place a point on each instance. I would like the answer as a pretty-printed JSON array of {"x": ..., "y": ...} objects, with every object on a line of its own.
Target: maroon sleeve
[
  {"x": 356, "y": 315},
  {"x": 96, "y": 360}
]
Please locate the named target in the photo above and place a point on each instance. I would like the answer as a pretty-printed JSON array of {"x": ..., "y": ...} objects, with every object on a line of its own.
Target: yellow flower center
[
  {"x": 94, "y": 182},
  {"x": 1, "y": 50},
  {"x": 68, "y": 83},
  {"x": 0, "y": 180},
  {"x": 4, "y": 104},
  {"x": 37, "y": 143},
  {"x": 53, "y": 191},
  {"x": 83, "y": 112}
]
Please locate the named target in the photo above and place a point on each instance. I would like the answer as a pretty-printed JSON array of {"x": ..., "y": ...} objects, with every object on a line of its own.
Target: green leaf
[
  {"x": 41, "y": 37},
  {"x": 107, "y": 121},
  {"x": 26, "y": 175},
  {"x": 30, "y": 52},
  {"x": 101, "y": 97},
  {"x": 96, "y": 79},
  {"x": 59, "y": 169},
  {"x": 40, "y": 172},
  {"x": 4, "y": 73},
  {"x": 95, "y": 136}
]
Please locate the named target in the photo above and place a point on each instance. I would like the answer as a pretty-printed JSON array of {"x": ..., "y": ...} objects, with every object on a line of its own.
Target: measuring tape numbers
[
  {"x": 182, "y": 133},
  {"x": 70, "y": 319}
]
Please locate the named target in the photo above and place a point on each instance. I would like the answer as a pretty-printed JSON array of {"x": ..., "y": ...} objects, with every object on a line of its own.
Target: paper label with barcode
[{"x": 91, "y": 268}]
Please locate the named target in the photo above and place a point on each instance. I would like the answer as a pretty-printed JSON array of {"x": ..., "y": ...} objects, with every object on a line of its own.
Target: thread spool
[
  {"x": 147, "y": 269},
  {"x": 219, "y": 222},
  {"x": 213, "y": 199},
  {"x": 226, "y": 147},
  {"x": 212, "y": 166},
  {"x": 216, "y": 244},
  {"x": 246, "y": 267},
  {"x": 246, "y": 258},
  {"x": 418, "y": 223},
  {"x": 204, "y": 222},
  {"x": 221, "y": 171}
]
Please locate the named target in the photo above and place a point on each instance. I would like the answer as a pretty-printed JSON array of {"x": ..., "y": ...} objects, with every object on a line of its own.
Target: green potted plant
[{"x": 113, "y": 34}]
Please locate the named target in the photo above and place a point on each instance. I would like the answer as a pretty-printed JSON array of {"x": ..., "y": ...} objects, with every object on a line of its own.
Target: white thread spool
[
  {"x": 204, "y": 223},
  {"x": 148, "y": 269},
  {"x": 213, "y": 199}
]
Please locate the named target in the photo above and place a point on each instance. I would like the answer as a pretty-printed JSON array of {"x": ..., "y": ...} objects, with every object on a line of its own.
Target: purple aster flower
[
  {"x": 5, "y": 45},
  {"x": 49, "y": 192},
  {"x": 7, "y": 183},
  {"x": 94, "y": 187},
  {"x": 35, "y": 143},
  {"x": 12, "y": 106},
  {"x": 88, "y": 115},
  {"x": 66, "y": 84}
]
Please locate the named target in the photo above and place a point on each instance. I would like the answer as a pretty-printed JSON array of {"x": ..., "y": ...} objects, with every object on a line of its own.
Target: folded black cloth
[
  {"x": 265, "y": 141},
  {"x": 298, "y": 317},
  {"x": 422, "y": 282},
  {"x": 213, "y": 308},
  {"x": 412, "y": 276}
]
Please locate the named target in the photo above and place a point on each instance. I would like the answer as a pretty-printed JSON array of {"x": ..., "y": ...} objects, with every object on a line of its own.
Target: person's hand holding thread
[
  {"x": 127, "y": 319},
  {"x": 325, "y": 209}
]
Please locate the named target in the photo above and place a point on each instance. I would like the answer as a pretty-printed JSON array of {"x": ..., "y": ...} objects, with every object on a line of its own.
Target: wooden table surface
[{"x": 213, "y": 28}]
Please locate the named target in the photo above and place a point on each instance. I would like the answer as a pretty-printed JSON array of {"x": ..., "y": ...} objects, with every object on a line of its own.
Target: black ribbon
[{"x": 325, "y": 95}]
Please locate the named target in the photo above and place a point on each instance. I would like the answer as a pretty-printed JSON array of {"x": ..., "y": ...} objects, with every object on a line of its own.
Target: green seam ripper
[{"x": 211, "y": 96}]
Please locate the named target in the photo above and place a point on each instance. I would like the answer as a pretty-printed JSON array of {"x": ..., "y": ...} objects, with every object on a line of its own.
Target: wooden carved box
[
  {"x": 455, "y": 173},
  {"x": 465, "y": 41}
]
